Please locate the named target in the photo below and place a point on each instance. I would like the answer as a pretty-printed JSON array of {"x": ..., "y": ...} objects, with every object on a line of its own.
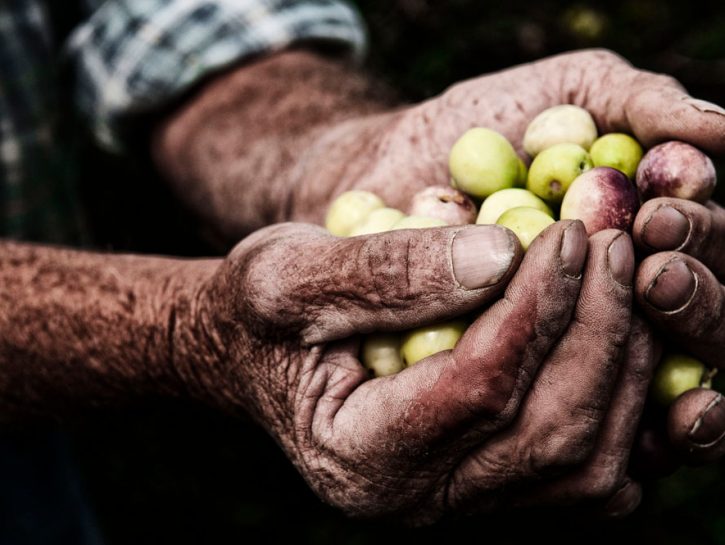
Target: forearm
[
  {"x": 82, "y": 329},
  {"x": 237, "y": 150}
]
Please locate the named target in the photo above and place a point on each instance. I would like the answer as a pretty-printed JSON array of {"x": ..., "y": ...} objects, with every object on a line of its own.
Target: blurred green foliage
[
  {"x": 182, "y": 475},
  {"x": 423, "y": 46}
]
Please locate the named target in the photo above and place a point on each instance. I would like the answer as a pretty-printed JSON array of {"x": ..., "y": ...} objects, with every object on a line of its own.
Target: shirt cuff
[{"x": 134, "y": 56}]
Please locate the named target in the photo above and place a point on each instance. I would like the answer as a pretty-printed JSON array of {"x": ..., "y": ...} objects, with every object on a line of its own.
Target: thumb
[
  {"x": 654, "y": 107},
  {"x": 298, "y": 276},
  {"x": 659, "y": 109}
]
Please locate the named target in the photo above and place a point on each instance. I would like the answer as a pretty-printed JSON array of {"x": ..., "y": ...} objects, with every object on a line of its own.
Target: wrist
[
  {"x": 214, "y": 352},
  {"x": 233, "y": 150},
  {"x": 80, "y": 329}
]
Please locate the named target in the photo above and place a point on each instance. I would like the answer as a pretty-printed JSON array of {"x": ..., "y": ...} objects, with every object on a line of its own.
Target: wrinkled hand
[
  {"x": 537, "y": 403},
  {"x": 397, "y": 155},
  {"x": 465, "y": 430},
  {"x": 413, "y": 148},
  {"x": 679, "y": 288}
]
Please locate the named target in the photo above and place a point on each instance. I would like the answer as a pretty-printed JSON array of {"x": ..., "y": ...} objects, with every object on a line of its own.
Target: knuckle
[
  {"x": 640, "y": 368},
  {"x": 386, "y": 272},
  {"x": 497, "y": 404},
  {"x": 501, "y": 402},
  {"x": 655, "y": 81},
  {"x": 598, "y": 63},
  {"x": 612, "y": 327},
  {"x": 640, "y": 353},
  {"x": 566, "y": 447},
  {"x": 393, "y": 273},
  {"x": 658, "y": 80},
  {"x": 604, "y": 55},
  {"x": 502, "y": 412},
  {"x": 601, "y": 485},
  {"x": 264, "y": 288},
  {"x": 483, "y": 473},
  {"x": 607, "y": 340},
  {"x": 458, "y": 94},
  {"x": 262, "y": 237}
]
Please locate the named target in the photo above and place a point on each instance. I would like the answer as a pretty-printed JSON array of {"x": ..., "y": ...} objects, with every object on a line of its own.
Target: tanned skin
[{"x": 513, "y": 416}]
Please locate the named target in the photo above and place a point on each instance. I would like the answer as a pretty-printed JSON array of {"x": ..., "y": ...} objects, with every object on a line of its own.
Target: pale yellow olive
[
  {"x": 482, "y": 161},
  {"x": 617, "y": 150},
  {"x": 555, "y": 168},
  {"x": 503, "y": 200},
  {"x": 563, "y": 124},
  {"x": 426, "y": 341},
  {"x": 349, "y": 210},
  {"x": 381, "y": 354},
  {"x": 526, "y": 223},
  {"x": 378, "y": 221},
  {"x": 676, "y": 374}
]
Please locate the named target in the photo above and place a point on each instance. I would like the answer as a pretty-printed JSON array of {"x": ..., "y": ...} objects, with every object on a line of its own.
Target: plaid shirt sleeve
[
  {"x": 37, "y": 177},
  {"x": 131, "y": 56}
]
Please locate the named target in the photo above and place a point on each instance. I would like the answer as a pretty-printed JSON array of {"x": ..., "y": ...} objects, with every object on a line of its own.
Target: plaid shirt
[{"x": 126, "y": 57}]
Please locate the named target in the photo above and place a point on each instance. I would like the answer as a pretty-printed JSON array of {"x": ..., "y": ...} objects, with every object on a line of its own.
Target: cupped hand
[
  {"x": 543, "y": 388},
  {"x": 679, "y": 287},
  {"x": 395, "y": 155}
]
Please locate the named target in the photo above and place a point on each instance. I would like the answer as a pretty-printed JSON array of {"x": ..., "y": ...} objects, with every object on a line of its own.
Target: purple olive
[
  {"x": 676, "y": 169},
  {"x": 602, "y": 198}
]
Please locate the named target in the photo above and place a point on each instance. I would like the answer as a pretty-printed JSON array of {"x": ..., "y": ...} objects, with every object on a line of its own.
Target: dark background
[{"x": 182, "y": 474}]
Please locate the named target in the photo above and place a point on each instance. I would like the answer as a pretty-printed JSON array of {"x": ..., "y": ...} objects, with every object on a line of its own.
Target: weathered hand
[
  {"x": 602, "y": 482},
  {"x": 279, "y": 138},
  {"x": 397, "y": 155},
  {"x": 243, "y": 176},
  {"x": 523, "y": 399},
  {"x": 679, "y": 288}
]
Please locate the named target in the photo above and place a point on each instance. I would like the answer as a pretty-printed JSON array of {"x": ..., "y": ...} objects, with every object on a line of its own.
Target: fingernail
[
  {"x": 573, "y": 251},
  {"x": 481, "y": 256},
  {"x": 625, "y": 501},
  {"x": 673, "y": 287},
  {"x": 705, "y": 106},
  {"x": 709, "y": 428},
  {"x": 666, "y": 229},
  {"x": 621, "y": 260}
]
